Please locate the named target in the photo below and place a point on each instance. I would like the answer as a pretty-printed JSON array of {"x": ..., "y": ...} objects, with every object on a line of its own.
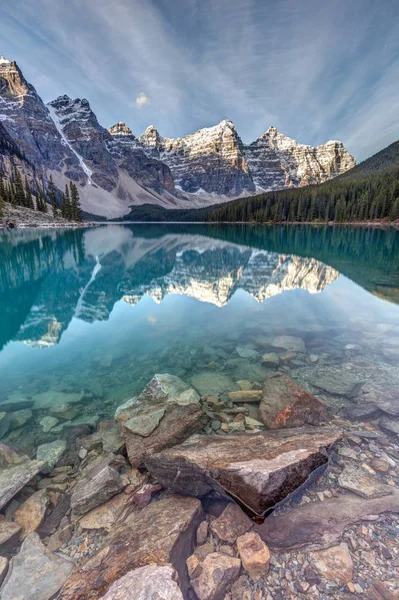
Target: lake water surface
[{"x": 104, "y": 309}]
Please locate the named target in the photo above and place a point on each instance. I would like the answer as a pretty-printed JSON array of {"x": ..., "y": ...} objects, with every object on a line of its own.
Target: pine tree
[
  {"x": 3, "y": 195},
  {"x": 28, "y": 195},
  {"x": 20, "y": 198},
  {"x": 52, "y": 197},
  {"x": 67, "y": 203},
  {"x": 395, "y": 210}
]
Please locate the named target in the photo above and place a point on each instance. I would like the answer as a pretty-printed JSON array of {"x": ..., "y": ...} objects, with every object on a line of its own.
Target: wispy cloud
[{"x": 316, "y": 70}]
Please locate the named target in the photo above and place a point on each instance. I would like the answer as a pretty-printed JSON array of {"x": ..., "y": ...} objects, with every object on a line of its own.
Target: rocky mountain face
[
  {"x": 276, "y": 161},
  {"x": 215, "y": 160},
  {"x": 129, "y": 156},
  {"x": 115, "y": 169},
  {"x": 27, "y": 120},
  {"x": 82, "y": 133},
  {"x": 211, "y": 161}
]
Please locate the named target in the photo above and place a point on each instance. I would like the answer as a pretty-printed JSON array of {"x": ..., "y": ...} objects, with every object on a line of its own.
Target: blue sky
[{"x": 315, "y": 69}]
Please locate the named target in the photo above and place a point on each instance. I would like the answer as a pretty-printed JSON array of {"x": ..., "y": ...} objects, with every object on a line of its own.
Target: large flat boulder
[
  {"x": 259, "y": 470},
  {"x": 163, "y": 532},
  {"x": 35, "y": 572},
  {"x": 152, "y": 582},
  {"x": 285, "y": 404},
  {"x": 289, "y": 343},
  {"x": 386, "y": 398},
  {"x": 16, "y": 477},
  {"x": 47, "y": 400},
  {"x": 338, "y": 385},
  {"x": 212, "y": 383},
  {"x": 95, "y": 486},
  {"x": 320, "y": 524},
  {"x": 175, "y": 426},
  {"x": 163, "y": 388}
]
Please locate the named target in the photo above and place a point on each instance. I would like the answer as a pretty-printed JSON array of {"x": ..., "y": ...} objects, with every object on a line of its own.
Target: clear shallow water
[{"x": 104, "y": 309}]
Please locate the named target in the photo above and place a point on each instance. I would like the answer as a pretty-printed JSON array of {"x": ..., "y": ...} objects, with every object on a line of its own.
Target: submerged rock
[
  {"x": 51, "y": 453},
  {"x": 211, "y": 383},
  {"x": 35, "y": 572},
  {"x": 16, "y": 477},
  {"x": 340, "y": 385},
  {"x": 271, "y": 360},
  {"x": 163, "y": 532},
  {"x": 177, "y": 424},
  {"x": 289, "y": 343},
  {"x": 246, "y": 352},
  {"x": 259, "y": 469},
  {"x": 48, "y": 423},
  {"x": 163, "y": 388},
  {"x": 245, "y": 396},
  {"x": 151, "y": 582},
  {"x": 285, "y": 404},
  {"x": 386, "y": 399},
  {"x": 389, "y": 424},
  {"x": 15, "y": 402},
  {"x": 20, "y": 417},
  {"x": 47, "y": 400}
]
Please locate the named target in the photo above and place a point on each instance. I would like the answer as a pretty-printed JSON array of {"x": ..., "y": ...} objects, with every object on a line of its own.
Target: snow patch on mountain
[{"x": 65, "y": 142}]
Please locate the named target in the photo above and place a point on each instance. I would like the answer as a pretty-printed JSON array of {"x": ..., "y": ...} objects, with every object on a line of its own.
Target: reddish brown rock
[
  {"x": 30, "y": 515},
  {"x": 232, "y": 523},
  {"x": 254, "y": 554},
  {"x": 285, "y": 404},
  {"x": 321, "y": 524},
  {"x": 258, "y": 469},
  {"x": 177, "y": 424},
  {"x": 163, "y": 532}
]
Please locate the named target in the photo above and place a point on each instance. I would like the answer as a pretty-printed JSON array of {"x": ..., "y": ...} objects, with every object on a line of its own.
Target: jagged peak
[
  {"x": 60, "y": 99},
  {"x": 65, "y": 99},
  {"x": 151, "y": 129},
  {"x": 5, "y": 61},
  {"x": 120, "y": 128},
  {"x": 227, "y": 123}
]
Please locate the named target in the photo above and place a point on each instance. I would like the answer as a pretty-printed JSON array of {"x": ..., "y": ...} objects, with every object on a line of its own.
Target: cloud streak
[{"x": 317, "y": 71}]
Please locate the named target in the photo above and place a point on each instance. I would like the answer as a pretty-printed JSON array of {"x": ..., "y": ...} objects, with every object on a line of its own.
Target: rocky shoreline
[
  {"x": 261, "y": 492},
  {"x": 24, "y": 218}
]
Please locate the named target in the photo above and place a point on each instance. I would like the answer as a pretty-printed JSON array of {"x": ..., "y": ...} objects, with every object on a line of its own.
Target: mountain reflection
[{"x": 49, "y": 277}]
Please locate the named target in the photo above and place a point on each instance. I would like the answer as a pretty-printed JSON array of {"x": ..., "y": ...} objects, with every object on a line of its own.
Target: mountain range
[{"x": 116, "y": 170}]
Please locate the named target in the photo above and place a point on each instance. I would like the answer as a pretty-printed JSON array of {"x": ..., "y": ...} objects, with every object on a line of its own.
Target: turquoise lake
[{"x": 104, "y": 309}]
